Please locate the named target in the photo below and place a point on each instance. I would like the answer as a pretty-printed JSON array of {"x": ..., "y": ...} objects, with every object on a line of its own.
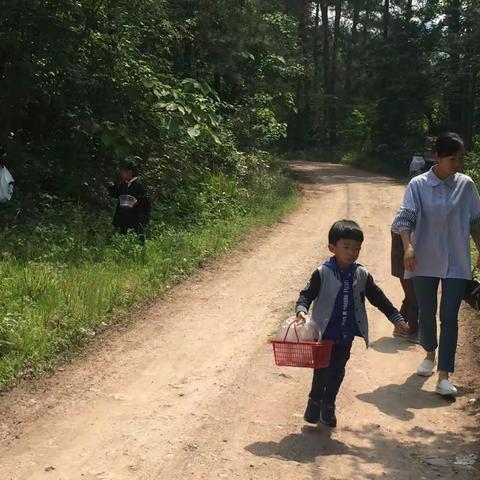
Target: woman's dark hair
[
  {"x": 448, "y": 144},
  {"x": 345, "y": 230},
  {"x": 128, "y": 166}
]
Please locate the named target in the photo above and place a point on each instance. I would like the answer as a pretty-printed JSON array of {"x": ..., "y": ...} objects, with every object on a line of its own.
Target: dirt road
[{"x": 191, "y": 391}]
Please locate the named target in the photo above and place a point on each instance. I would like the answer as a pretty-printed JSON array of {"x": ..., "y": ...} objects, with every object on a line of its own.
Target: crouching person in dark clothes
[
  {"x": 337, "y": 290},
  {"x": 133, "y": 206}
]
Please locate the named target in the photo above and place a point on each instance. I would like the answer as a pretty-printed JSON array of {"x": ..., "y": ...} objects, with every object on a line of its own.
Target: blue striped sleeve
[{"x": 405, "y": 219}]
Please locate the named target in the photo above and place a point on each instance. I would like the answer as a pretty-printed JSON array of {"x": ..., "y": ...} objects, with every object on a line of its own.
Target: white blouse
[{"x": 440, "y": 213}]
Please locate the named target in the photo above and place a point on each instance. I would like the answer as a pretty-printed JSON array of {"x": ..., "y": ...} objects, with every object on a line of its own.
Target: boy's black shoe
[
  {"x": 327, "y": 415},
  {"x": 312, "y": 413}
]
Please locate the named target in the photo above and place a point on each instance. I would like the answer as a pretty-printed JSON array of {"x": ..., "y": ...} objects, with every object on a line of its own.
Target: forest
[
  {"x": 207, "y": 97},
  {"x": 195, "y": 86}
]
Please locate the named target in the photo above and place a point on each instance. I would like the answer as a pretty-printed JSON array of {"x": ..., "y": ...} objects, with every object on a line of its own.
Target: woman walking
[{"x": 440, "y": 209}]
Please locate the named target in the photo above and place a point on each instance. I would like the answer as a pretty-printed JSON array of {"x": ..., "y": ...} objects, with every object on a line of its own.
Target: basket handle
[{"x": 295, "y": 330}]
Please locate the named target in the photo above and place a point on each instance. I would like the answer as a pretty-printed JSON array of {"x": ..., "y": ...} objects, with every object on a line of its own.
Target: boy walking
[{"x": 338, "y": 290}]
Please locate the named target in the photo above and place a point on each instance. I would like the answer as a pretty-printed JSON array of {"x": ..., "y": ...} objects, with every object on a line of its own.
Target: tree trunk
[
  {"x": 408, "y": 11},
  {"x": 366, "y": 22},
  {"x": 456, "y": 94},
  {"x": 326, "y": 65},
  {"x": 386, "y": 18},
  {"x": 300, "y": 122},
  {"x": 472, "y": 66},
  {"x": 333, "y": 137},
  {"x": 470, "y": 108},
  {"x": 352, "y": 48},
  {"x": 316, "y": 65}
]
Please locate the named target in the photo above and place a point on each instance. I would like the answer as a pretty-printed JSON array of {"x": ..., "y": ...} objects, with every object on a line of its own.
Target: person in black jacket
[{"x": 133, "y": 205}]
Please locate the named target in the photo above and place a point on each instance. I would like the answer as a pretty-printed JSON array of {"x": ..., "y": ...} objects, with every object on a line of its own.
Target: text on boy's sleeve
[
  {"x": 309, "y": 293},
  {"x": 378, "y": 299}
]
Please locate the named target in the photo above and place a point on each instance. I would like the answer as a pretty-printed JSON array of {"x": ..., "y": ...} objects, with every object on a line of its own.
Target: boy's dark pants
[{"x": 327, "y": 381}]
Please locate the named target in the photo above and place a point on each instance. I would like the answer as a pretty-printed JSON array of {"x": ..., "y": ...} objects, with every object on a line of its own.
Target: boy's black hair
[
  {"x": 448, "y": 144},
  {"x": 128, "y": 165},
  {"x": 345, "y": 230}
]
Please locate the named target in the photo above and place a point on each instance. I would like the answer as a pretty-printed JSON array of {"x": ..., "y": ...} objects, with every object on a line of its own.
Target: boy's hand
[
  {"x": 301, "y": 316},
  {"x": 402, "y": 327}
]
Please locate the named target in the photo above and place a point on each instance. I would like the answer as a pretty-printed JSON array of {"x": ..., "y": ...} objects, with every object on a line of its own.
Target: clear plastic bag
[
  {"x": 6, "y": 184},
  {"x": 127, "y": 201},
  {"x": 293, "y": 330}
]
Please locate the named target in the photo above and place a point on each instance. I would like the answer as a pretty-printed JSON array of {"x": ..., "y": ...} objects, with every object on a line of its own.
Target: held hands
[
  {"x": 402, "y": 327},
  {"x": 409, "y": 259}
]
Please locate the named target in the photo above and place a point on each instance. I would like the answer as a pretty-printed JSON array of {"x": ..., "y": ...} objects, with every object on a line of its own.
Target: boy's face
[
  {"x": 126, "y": 174},
  {"x": 346, "y": 252}
]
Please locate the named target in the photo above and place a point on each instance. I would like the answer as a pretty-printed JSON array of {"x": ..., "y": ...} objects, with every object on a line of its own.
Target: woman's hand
[{"x": 409, "y": 260}]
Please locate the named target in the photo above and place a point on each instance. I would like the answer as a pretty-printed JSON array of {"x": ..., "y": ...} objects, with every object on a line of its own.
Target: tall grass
[{"x": 61, "y": 282}]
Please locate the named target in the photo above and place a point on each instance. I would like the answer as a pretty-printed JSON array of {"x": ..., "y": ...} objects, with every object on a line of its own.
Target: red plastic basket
[{"x": 302, "y": 354}]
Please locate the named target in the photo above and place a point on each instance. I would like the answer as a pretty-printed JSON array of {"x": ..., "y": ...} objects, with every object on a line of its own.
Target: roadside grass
[{"x": 61, "y": 283}]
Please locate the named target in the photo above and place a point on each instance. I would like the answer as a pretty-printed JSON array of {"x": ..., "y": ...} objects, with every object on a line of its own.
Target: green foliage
[
  {"x": 255, "y": 124},
  {"x": 190, "y": 85},
  {"x": 87, "y": 83},
  {"x": 384, "y": 76},
  {"x": 472, "y": 161},
  {"x": 63, "y": 280},
  {"x": 357, "y": 130},
  {"x": 195, "y": 89}
]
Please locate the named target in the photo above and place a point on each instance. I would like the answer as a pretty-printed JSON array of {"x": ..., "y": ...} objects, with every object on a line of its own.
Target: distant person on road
[
  {"x": 428, "y": 154},
  {"x": 133, "y": 206},
  {"x": 440, "y": 209},
  {"x": 416, "y": 165},
  {"x": 337, "y": 290}
]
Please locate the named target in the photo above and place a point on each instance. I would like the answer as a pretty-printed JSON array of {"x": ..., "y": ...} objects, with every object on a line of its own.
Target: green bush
[
  {"x": 65, "y": 277},
  {"x": 472, "y": 161}
]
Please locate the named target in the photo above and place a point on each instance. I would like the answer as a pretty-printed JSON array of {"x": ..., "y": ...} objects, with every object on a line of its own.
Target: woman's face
[{"x": 451, "y": 164}]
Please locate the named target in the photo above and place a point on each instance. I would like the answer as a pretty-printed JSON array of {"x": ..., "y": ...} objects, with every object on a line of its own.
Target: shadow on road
[
  {"x": 391, "y": 345},
  {"x": 303, "y": 447},
  {"x": 398, "y": 400},
  {"x": 372, "y": 445}
]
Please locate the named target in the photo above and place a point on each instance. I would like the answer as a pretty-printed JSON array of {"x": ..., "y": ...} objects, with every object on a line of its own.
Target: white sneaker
[
  {"x": 425, "y": 369},
  {"x": 446, "y": 389}
]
